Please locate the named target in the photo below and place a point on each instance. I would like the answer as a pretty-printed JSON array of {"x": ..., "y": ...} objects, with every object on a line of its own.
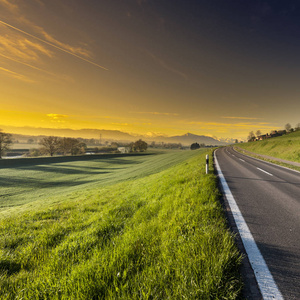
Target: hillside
[
  {"x": 189, "y": 138},
  {"x": 285, "y": 147}
]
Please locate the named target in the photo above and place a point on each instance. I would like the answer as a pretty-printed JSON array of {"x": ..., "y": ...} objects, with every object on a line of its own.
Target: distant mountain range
[
  {"x": 189, "y": 138},
  {"x": 115, "y": 135}
]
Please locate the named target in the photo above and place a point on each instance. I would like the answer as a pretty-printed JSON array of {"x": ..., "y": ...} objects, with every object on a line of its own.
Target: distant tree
[
  {"x": 114, "y": 145},
  {"x": 140, "y": 146},
  {"x": 71, "y": 146},
  {"x": 297, "y": 127},
  {"x": 30, "y": 141},
  {"x": 5, "y": 142},
  {"x": 288, "y": 127},
  {"x": 34, "y": 152},
  {"x": 236, "y": 141},
  {"x": 195, "y": 146},
  {"x": 50, "y": 144},
  {"x": 258, "y": 133},
  {"x": 251, "y": 136}
]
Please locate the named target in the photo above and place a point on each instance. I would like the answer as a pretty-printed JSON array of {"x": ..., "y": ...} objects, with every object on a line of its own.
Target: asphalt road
[{"x": 268, "y": 197}]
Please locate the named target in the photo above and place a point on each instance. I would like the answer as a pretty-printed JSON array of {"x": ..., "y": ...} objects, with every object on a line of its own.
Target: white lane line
[
  {"x": 267, "y": 162},
  {"x": 241, "y": 159},
  {"x": 266, "y": 283},
  {"x": 264, "y": 171}
]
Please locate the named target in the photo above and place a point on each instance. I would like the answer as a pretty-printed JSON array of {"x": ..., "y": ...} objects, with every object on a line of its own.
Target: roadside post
[{"x": 207, "y": 162}]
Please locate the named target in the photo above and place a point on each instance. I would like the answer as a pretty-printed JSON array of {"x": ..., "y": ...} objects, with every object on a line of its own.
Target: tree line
[
  {"x": 53, "y": 145},
  {"x": 288, "y": 129}
]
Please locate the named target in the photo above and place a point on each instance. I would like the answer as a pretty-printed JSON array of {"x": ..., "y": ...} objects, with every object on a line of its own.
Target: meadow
[
  {"x": 285, "y": 147},
  {"x": 28, "y": 183},
  {"x": 150, "y": 227}
]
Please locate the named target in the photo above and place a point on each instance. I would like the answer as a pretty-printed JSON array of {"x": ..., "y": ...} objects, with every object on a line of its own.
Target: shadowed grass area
[{"x": 162, "y": 236}]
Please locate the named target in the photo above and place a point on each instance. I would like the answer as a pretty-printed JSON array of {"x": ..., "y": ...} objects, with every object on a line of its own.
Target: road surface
[{"x": 268, "y": 197}]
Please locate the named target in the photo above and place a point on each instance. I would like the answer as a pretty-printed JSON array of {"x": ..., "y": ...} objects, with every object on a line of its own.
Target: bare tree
[
  {"x": 50, "y": 144},
  {"x": 297, "y": 127},
  {"x": 5, "y": 142},
  {"x": 258, "y": 133},
  {"x": 251, "y": 136},
  {"x": 288, "y": 127}
]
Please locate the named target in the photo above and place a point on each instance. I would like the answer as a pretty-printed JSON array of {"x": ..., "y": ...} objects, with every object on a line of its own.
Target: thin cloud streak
[
  {"x": 240, "y": 118},
  {"x": 16, "y": 75},
  {"x": 52, "y": 45},
  {"x": 25, "y": 64},
  {"x": 210, "y": 125},
  {"x": 166, "y": 66},
  {"x": 155, "y": 113}
]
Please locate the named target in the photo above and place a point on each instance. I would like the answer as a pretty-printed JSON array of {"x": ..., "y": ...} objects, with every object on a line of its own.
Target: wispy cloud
[
  {"x": 167, "y": 66},
  {"x": 214, "y": 125},
  {"x": 10, "y": 6},
  {"x": 57, "y": 77},
  {"x": 120, "y": 124},
  {"x": 240, "y": 118},
  {"x": 22, "y": 48},
  {"x": 16, "y": 75},
  {"x": 155, "y": 113},
  {"x": 57, "y": 118},
  {"x": 55, "y": 44}
]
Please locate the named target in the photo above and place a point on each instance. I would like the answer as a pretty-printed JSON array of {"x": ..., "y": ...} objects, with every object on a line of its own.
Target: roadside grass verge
[
  {"x": 285, "y": 147},
  {"x": 163, "y": 236}
]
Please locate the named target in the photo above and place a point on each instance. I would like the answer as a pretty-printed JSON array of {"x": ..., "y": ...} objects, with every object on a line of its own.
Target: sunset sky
[{"x": 209, "y": 67}]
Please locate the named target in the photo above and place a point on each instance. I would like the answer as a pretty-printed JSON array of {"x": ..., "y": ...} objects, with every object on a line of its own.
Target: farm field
[
  {"x": 153, "y": 230},
  {"x": 38, "y": 183},
  {"x": 284, "y": 147}
]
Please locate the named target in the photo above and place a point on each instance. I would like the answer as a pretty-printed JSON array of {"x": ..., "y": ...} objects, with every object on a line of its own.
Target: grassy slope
[
  {"x": 159, "y": 237},
  {"x": 38, "y": 184},
  {"x": 285, "y": 147}
]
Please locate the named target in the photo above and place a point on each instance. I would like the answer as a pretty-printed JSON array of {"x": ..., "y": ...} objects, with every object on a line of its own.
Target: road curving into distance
[{"x": 268, "y": 198}]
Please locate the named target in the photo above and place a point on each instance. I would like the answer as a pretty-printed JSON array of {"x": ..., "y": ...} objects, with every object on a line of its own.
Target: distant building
[
  {"x": 263, "y": 137},
  {"x": 124, "y": 149},
  {"x": 276, "y": 133}
]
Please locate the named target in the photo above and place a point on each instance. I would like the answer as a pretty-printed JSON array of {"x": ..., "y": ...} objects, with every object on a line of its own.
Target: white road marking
[
  {"x": 241, "y": 159},
  {"x": 264, "y": 171},
  {"x": 267, "y": 162},
  {"x": 266, "y": 283}
]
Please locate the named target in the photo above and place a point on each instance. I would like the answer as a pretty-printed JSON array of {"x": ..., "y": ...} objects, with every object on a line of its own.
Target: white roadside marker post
[{"x": 207, "y": 161}]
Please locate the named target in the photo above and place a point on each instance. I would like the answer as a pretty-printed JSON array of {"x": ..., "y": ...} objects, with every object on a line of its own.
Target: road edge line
[{"x": 264, "y": 278}]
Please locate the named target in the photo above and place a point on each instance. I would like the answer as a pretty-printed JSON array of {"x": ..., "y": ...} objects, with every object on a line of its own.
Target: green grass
[
  {"x": 162, "y": 236},
  {"x": 28, "y": 183},
  {"x": 285, "y": 147}
]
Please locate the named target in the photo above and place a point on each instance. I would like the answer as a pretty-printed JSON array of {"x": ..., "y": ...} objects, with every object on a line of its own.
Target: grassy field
[
  {"x": 159, "y": 236},
  {"x": 28, "y": 183},
  {"x": 285, "y": 147}
]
